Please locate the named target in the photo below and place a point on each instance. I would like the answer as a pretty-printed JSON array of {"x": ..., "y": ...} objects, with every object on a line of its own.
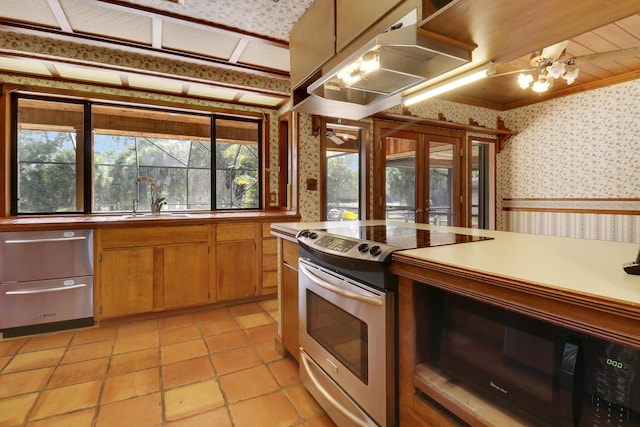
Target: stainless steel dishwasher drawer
[
  {"x": 45, "y": 301},
  {"x": 50, "y": 254}
]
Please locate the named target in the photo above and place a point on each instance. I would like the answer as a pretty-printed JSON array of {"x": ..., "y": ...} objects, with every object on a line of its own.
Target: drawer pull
[{"x": 43, "y": 290}]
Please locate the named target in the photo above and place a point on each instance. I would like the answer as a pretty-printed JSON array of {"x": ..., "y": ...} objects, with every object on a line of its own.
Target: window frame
[{"x": 85, "y": 160}]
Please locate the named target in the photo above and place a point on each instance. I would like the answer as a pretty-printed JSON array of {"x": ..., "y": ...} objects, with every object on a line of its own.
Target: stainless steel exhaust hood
[{"x": 393, "y": 62}]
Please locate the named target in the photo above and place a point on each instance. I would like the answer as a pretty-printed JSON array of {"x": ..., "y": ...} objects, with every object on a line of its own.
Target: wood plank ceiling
[{"x": 208, "y": 39}]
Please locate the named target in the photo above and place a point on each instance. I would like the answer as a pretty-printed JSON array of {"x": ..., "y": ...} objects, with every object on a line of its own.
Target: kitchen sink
[{"x": 168, "y": 215}]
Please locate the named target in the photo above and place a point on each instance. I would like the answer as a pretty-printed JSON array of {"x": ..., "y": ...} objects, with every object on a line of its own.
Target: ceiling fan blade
[
  {"x": 607, "y": 56},
  {"x": 554, "y": 51}
]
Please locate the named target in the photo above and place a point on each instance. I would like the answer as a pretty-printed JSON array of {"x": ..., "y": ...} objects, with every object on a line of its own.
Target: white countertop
[{"x": 585, "y": 266}]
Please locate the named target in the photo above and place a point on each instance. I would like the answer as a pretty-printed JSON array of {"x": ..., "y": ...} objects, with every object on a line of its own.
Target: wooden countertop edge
[
  {"x": 284, "y": 232},
  {"x": 605, "y": 318},
  {"x": 56, "y": 222}
]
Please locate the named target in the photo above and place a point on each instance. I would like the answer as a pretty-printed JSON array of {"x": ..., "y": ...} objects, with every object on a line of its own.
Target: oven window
[{"x": 340, "y": 333}]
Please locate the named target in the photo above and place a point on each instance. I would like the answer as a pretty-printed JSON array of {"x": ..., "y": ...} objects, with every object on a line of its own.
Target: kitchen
[{"x": 536, "y": 166}]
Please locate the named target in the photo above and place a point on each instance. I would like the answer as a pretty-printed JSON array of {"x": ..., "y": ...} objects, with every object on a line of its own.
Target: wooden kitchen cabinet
[
  {"x": 127, "y": 281},
  {"x": 152, "y": 269},
  {"x": 237, "y": 260},
  {"x": 289, "y": 296},
  {"x": 185, "y": 275},
  {"x": 269, "y": 261}
]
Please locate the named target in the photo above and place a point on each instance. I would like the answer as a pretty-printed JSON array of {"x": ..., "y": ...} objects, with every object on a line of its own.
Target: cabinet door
[
  {"x": 126, "y": 281},
  {"x": 236, "y": 270},
  {"x": 185, "y": 275},
  {"x": 290, "y": 321}
]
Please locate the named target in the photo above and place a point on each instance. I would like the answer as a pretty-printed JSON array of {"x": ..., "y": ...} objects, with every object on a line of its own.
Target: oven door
[{"x": 346, "y": 330}]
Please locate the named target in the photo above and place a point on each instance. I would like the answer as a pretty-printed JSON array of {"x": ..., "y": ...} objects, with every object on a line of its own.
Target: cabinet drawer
[
  {"x": 269, "y": 246},
  {"x": 290, "y": 253},
  {"x": 153, "y": 236},
  {"x": 240, "y": 231},
  {"x": 270, "y": 262},
  {"x": 269, "y": 279}
]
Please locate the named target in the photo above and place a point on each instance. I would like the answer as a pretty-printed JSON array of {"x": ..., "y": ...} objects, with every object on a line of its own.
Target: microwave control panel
[{"x": 612, "y": 385}]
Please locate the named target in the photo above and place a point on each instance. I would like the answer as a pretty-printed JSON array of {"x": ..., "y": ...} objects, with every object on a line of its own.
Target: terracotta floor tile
[
  {"x": 320, "y": 421},
  {"x": 243, "y": 309},
  {"x": 270, "y": 304},
  {"x": 267, "y": 351},
  {"x": 84, "y": 336},
  {"x": 221, "y": 326},
  {"x": 183, "y": 351},
  {"x": 140, "y": 411},
  {"x": 234, "y": 360},
  {"x": 285, "y": 371},
  {"x": 94, "y": 350},
  {"x": 212, "y": 315},
  {"x": 24, "y": 382},
  {"x": 192, "y": 399},
  {"x": 34, "y": 360},
  {"x": 4, "y": 361},
  {"x": 132, "y": 384},
  {"x": 235, "y": 385},
  {"x": 253, "y": 320},
  {"x": 61, "y": 400},
  {"x": 13, "y": 410},
  {"x": 262, "y": 333},
  {"x": 134, "y": 361},
  {"x": 75, "y": 419},
  {"x": 180, "y": 334},
  {"x": 137, "y": 328},
  {"x": 226, "y": 341},
  {"x": 11, "y": 346},
  {"x": 216, "y": 418},
  {"x": 186, "y": 372},
  {"x": 135, "y": 342},
  {"x": 271, "y": 410},
  {"x": 46, "y": 342},
  {"x": 79, "y": 372},
  {"x": 177, "y": 321},
  {"x": 275, "y": 315},
  {"x": 304, "y": 403}
]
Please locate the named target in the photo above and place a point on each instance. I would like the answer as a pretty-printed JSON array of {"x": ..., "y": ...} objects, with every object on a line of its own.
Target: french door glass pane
[
  {"x": 441, "y": 183},
  {"x": 401, "y": 179}
]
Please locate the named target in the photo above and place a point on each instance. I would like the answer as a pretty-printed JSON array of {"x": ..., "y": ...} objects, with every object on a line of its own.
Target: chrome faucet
[{"x": 135, "y": 204}]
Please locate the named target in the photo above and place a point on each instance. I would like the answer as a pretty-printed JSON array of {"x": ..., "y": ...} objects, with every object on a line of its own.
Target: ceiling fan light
[
  {"x": 571, "y": 76},
  {"x": 524, "y": 80},
  {"x": 541, "y": 85},
  {"x": 556, "y": 69}
]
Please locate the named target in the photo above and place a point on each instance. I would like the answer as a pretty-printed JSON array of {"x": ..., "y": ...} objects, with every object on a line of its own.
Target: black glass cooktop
[{"x": 402, "y": 237}]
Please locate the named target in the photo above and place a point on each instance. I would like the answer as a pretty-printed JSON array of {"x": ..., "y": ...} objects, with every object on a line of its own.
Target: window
[
  {"x": 344, "y": 170},
  {"x": 129, "y": 149}
]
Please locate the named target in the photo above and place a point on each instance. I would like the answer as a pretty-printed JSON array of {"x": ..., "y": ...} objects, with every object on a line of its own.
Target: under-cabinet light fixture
[{"x": 450, "y": 84}]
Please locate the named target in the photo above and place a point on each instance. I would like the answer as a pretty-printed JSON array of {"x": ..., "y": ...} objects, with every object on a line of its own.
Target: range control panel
[{"x": 345, "y": 246}]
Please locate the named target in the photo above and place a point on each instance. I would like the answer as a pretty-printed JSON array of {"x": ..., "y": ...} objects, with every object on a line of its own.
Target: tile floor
[{"x": 211, "y": 368}]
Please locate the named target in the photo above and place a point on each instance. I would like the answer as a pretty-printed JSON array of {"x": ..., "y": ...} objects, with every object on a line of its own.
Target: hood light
[
  {"x": 357, "y": 70},
  {"x": 451, "y": 84}
]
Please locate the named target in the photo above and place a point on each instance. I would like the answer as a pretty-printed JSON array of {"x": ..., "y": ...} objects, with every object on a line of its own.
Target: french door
[{"x": 422, "y": 176}]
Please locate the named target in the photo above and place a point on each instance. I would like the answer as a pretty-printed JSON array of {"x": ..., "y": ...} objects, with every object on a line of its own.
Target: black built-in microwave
[{"x": 548, "y": 375}]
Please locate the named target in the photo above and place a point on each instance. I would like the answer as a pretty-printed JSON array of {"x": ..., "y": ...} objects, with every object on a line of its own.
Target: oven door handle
[
  {"x": 44, "y": 290},
  {"x": 337, "y": 290},
  {"x": 358, "y": 421}
]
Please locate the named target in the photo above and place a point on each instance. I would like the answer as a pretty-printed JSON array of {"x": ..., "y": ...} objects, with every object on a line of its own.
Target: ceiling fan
[{"x": 552, "y": 66}]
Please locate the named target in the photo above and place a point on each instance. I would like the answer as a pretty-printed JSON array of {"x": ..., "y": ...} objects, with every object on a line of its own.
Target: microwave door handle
[
  {"x": 570, "y": 355},
  {"x": 336, "y": 290},
  {"x": 358, "y": 421}
]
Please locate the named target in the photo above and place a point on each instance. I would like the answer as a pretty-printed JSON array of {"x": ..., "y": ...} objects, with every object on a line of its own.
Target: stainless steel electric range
[{"x": 348, "y": 316}]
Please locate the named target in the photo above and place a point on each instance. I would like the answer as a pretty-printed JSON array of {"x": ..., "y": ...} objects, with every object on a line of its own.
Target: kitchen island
[{"x": 573, "y": 283}]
